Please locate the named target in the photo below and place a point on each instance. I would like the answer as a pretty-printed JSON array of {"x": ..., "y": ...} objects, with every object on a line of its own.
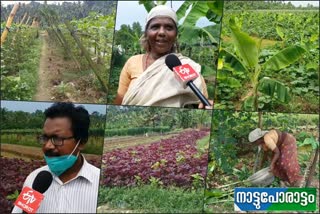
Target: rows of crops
[
  {"x": 73, "y": 51},
  {"x": 175, "y": 161},
  {"x": 232, "y": 159},
  {"x": 19, "y": 63},
  {"x": 87, "y": 42},
  {"x": 289, "y": 85}
]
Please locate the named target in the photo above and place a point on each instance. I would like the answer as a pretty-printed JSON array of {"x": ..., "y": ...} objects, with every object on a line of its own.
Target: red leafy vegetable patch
[
  {"x": 171, "y": 161},
  {"x": 13, "y": 174}
]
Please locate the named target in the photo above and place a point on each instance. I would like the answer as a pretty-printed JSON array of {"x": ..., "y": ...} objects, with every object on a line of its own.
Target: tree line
[
  {"x": 264, "y": 5},
  {"x": 135, "y": 117},
  {"x": 35, "y": 120},
  {"x": 65, "y": 10}
]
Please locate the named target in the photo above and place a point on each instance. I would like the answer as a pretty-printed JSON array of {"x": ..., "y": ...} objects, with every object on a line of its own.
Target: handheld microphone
[
  {"x": 42, "y": 181},
  {"x": 186, "y": 74},
  {"x": 29, "y": 199}
]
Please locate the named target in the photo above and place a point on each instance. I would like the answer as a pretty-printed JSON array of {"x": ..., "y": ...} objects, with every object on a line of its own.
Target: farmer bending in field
[
  {"x": 145, "y": 79},
  {"x": 75, "y": 182},
  {"x": 284, "y": 163}
]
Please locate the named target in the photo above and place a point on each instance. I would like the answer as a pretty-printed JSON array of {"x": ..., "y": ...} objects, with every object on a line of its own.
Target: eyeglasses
[{"x": 55, "y": 140}]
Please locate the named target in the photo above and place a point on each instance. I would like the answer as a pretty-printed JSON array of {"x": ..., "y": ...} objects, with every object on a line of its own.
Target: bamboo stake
[
  {"x": 29, "y": 17},
  {"x": 61, "y": 38},
  {"x": 24, "y": 17},
  {"x": 312, "y": 167},
  {"x": 88, "y": 58},
  {"x": 9, "y": 22},
  {"x": 18, "y": 29}
]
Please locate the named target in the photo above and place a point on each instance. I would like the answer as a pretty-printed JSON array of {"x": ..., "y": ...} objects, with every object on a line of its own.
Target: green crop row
[{"x": 135, "y": 131}]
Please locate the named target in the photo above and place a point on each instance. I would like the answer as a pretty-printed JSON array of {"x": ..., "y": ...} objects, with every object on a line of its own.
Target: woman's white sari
[{"x": 159, "y": 86}]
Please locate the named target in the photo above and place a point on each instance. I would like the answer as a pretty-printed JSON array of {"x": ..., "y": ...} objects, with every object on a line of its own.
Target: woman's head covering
[
  {"x": 256, "y": 134},
  {"x": 159, "y": 11},
  {"x": 162, "y": 11}
]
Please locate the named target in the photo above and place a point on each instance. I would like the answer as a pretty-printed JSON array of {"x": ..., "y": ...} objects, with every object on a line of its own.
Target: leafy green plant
[
  {"x": 150, "y": 199},
  {"x": 156, "y": 182},
  {"x": 180, "y": 157},
  {"x": 309, "y": 141},
  {"x": 20, "y": 56},
  {"x": 198, "y": 181},
  {"x": 138, "y": 180},
  {"x": 242, "y": 173},
  {"x": 246, "y": 60},
  {"x": 13, "y": 196},
  {"x": 62, "y": 89}
]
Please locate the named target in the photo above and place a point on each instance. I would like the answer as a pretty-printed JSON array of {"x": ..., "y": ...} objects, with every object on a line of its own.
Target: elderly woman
[
  {"x": 284, "y": 163},
  {"x": 145, "y": 79}
]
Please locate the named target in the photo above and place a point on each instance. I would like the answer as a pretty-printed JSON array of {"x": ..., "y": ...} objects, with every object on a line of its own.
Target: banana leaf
[
  {"x": 181, "y": 12},
  {"x": 231, "y": 62},
  {"x": 216, "y": 7},
  {"x": 190, "y": 34},
  {"x": 246, "y": 46},
  {"x": 284, "y": 58},
  {"x": 198, "y": 10},
  {"x": 228, "y": 80},
  {"x": 148, "y": 5},
  {"x": 248, "y": 104},
  {"x": 270, "y": 87}
]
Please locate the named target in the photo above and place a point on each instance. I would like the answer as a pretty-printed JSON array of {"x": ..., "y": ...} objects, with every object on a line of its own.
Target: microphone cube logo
[
  {"x": 29, "y": 197},
  {"x": 29, "y": 200},
  {"x": 275, "y": 199},
  {"x": 185, "y": 72}
]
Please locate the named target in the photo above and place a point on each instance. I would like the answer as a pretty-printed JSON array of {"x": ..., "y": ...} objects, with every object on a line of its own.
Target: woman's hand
[
  {"x": 276, "y": 155},
  {"x": 201, "y": 106},
  {"x": 118, "y": 100},
  {"x": 271, "y": 167}
]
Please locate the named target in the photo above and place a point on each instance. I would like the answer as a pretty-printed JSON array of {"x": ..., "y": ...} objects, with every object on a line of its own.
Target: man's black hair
[{"x": 79, "y": 117}]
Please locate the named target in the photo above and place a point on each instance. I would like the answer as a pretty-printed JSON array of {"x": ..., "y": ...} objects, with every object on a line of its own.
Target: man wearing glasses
[{"x": 75, "y": 182}]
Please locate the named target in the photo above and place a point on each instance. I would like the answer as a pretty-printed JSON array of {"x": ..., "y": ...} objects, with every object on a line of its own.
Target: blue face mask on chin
[{"x": 60, "y": 164}]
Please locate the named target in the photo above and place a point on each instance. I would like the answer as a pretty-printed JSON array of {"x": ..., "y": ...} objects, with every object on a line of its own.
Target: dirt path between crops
[
  {"x": 45, "y": 71},
  {"x": 130, "y": 141},
  {"x": 52, "y": 65},
  {"x": 28, "y": 152}
]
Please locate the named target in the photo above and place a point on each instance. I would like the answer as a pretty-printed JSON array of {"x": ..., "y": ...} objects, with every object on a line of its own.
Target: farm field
[
  {"x": 130, "y": 141},
  {"x": 279, "y": 69},
  {"x": 170, "y": 168},
  {"x": 232, "y": 159},
  {"x": 33, "y": 153},
  {"x": 56, "y": 52}
]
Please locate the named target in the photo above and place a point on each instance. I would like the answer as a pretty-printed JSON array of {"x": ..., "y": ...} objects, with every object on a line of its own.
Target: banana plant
[
  {"x": 246, "y": 61},
  {"x": 189, "y": 14}
]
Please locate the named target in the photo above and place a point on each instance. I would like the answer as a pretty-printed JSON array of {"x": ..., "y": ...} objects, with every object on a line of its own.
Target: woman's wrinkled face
[{"x": 161, "y": 34}]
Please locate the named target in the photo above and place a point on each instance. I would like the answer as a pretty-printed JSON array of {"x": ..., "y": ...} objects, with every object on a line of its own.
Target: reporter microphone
[
  {"x": 186, "y": 74},
  {"x": 29, "y": 199}
]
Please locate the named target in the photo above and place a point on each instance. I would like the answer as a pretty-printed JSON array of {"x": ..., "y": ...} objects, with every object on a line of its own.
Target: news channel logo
[{"x": 275, "y": 199}]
